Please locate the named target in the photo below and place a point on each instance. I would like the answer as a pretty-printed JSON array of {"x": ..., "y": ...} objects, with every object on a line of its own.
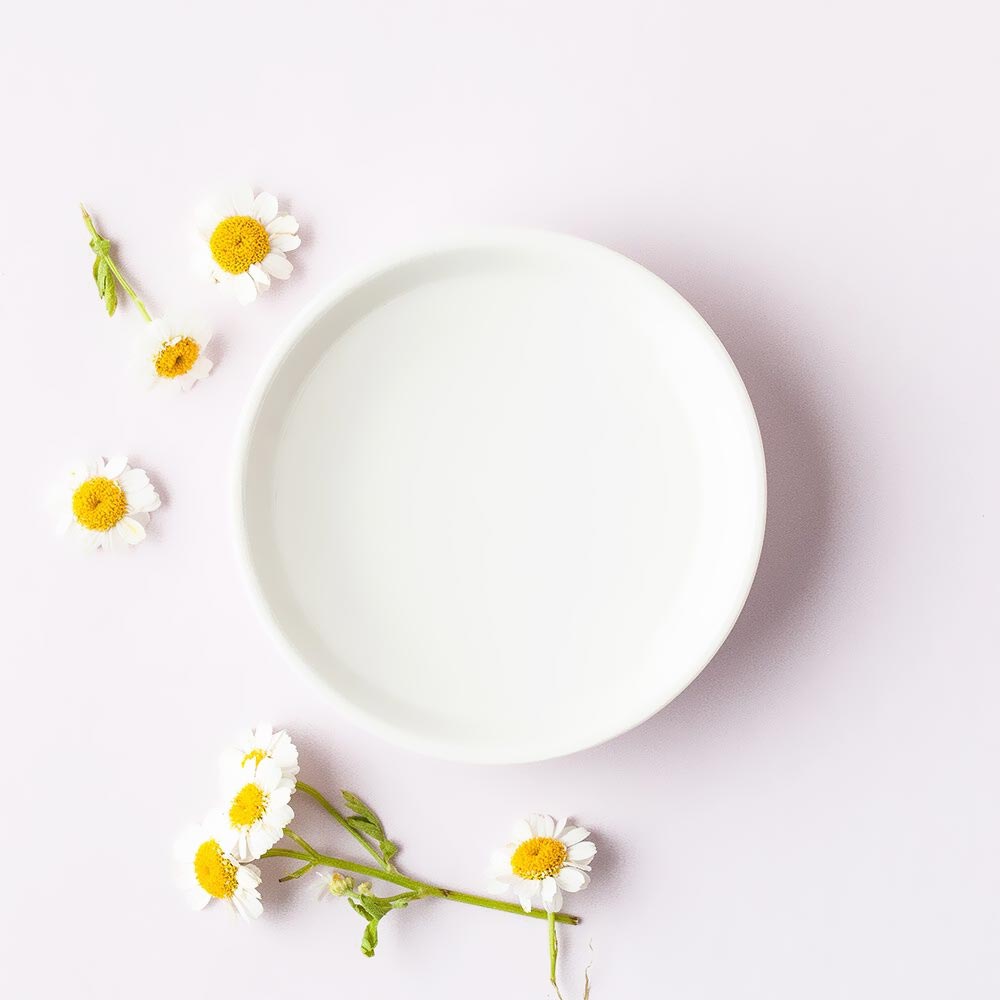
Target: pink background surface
[{"x": 818, "y": 815}]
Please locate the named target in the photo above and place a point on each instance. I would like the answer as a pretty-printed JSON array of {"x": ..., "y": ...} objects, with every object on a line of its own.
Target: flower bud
[
  {"x": 365, "y": 889},
  {"x": 339, "y": 884}
]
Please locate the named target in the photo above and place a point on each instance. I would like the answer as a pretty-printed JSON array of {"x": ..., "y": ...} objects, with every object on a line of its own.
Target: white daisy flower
[
  {"x": 105, "y": 504},
  {"x": 245, "y": 242},
  {"x": 544, "y": 860},
  {"x": 256, "y": 813},
  {"x": 206, "y": 872},
  {"x": 260, "y": 744},
  {"x": 172, "y": 353}
]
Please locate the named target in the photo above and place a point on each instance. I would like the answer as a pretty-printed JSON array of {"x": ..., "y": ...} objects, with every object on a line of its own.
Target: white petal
[
  {"x": 208, "y": 215},
  {"x": 133, "y": 480},
  {"x": 573, "y": 835},
  {"x": 242, "y": 199},
  {"x": 245, "y": 288},
  {"x": 141, "y": 501},
  {"x": 78, "y": 472},
  {"x": 259, "y": 275},
  {"x": 284, "y": 242},
  {"x": 282, "y": 224},
  {"x": 551, "y": 896},
  {"x": 113, "y": 541},
  {"x": 200, "y": 368},
  {"x": 523, "y": 830},
  {"x": 131, "y": 530},
  {"x": 524, "y": 897},
  {"x": 572, "y": 879},
  {"x": 545, "y": 825},
  {"x": 582, "y": 852},
  {"x": 265, "y": 207},
  {"x": 199, "y": 898},
  {"x": 203, "y": 263},
  {"x": 277, "y": 264},
  {"x": 268, "y": 774}
]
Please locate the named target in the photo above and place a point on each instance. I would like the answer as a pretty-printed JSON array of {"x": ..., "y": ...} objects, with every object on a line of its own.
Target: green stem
[
  {"x": 424, "y": 888},
  {"x": 289, "y": 832},
  {"x": 342, "y": 820},
  {"x": 129, "y": 290},
  {"x": 553, "y": 953}
]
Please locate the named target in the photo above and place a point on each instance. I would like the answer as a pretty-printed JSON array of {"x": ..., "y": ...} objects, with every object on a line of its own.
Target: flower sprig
[
  {"x": 107, "y": 272},
  {"x": 171, "y": 352},
  {"x": 261, "y": 778}
]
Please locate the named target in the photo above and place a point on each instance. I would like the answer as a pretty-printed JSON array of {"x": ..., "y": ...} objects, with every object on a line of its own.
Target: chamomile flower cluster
[
  {"x": 215, "y": 859},
  {"x": 244, "y": 242}
]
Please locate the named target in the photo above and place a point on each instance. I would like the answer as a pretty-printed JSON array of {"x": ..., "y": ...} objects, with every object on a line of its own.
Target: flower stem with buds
[{"x": 424, "y": 890}]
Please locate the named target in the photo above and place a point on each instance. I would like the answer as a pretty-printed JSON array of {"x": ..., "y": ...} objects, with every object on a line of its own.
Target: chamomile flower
[
  {"x": 245, "y": 241},
  {"x": 205, "y": 872},
  {"x": 105, "y": 504},
  {"x": 172, "y": 353},
  {"x": 544, "y": 860},
  {"x": 258, "y": 745},
  {"x": 256, "y": 812}
]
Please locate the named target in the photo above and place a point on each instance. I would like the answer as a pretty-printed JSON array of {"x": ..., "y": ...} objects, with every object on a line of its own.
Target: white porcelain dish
[{"x": 503, "y": 497}]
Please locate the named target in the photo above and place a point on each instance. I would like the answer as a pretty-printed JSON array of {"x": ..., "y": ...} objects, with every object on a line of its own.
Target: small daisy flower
[
  {"x": 544, "y": 860},
  {"x": 105, "y": 504},
  {"x": 256, "y": 813},
  {"x": 172, "y": 353},
  {"x": 260, "y": 744},
  {"x": 205, "y": 872},
  {"x": 245, "y": 242}
]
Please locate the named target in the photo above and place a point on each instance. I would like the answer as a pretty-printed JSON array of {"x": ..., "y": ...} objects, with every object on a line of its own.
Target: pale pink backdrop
[{"x": 818, "y": 815}]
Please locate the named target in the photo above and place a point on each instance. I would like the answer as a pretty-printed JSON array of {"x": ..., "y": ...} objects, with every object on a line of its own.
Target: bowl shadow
[{"x": 798, "y": 450}]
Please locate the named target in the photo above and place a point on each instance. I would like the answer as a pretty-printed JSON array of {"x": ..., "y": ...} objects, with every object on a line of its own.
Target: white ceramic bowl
[{"x": 504, "y": 497}]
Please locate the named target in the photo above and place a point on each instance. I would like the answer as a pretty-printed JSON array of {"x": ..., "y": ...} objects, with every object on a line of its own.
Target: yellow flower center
[
  {"x": 248, "y": 806},
  {"x": 99, "y": 504},
  {"x": 214, "y": 873},
  {"x": 255, "y": 755},
  {"x": 538, "y": 858},
  {"x": 177, "y": 357},
  {"x": 238, "y": 242}
]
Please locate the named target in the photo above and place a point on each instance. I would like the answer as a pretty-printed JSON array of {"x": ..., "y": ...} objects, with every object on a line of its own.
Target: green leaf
[
  {"x": 375, "y": 907},
  {"x": 298, "y": 873},
  {"x": 110, "y": 298},
  {"x": 363, "y": 811},
  {"x": 97, "y": 280},
  {"x": 366, "y": 826},
  {"x": 103, "y": 275},
  {"x": 369, "y": 940},
  {"x": 365, "y": 821}
]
